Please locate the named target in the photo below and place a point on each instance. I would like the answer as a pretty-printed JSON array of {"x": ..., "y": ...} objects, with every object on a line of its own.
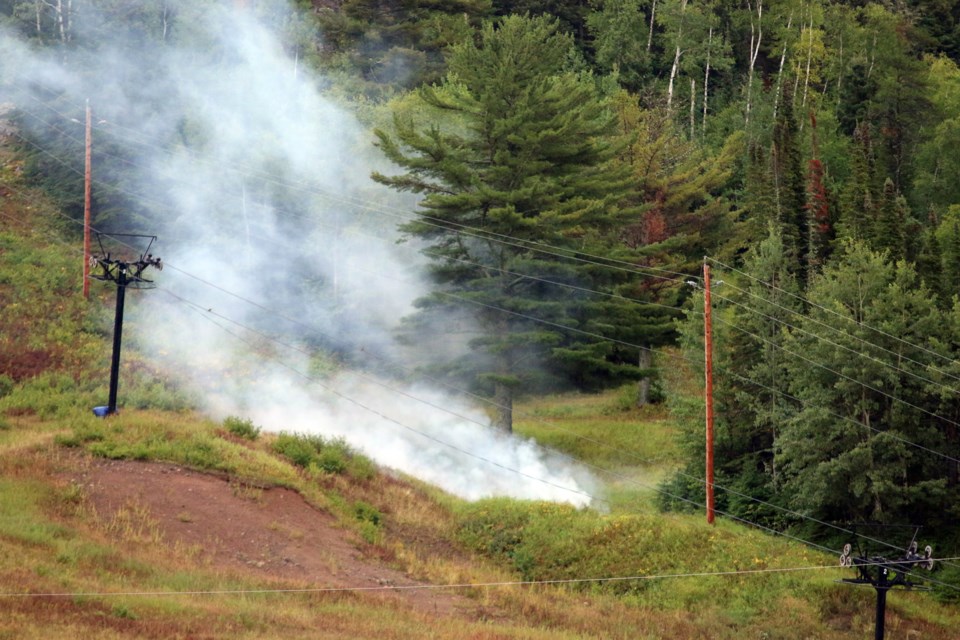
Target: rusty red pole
[
  {"x": 86, "y": 207},
  {"x": 708, "y": 356}
]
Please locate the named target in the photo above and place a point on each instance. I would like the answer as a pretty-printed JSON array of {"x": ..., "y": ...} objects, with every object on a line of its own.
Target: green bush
[
  {"x": 323, "y": 455},
  {"x": 243, "y": 428},
  {"x": 947, "y": 587},
  {"x": 50, "y": 395},
  {"x": 295, "y": 448},
  {"x": 332, "y": 460},
  {"x": 361, "y": 467},
  {"x": 370, "y": 520},
  {"x": 145, "y": 391},
  {"x": 366, "y": 512},
  {"x": 6, "y": 385}
]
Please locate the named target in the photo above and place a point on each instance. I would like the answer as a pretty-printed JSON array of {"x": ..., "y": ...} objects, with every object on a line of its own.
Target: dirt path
[{"x": 271, "y": 533}]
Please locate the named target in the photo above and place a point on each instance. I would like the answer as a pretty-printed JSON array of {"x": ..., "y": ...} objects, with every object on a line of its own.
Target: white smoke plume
[{"x": 258, "y": 185}]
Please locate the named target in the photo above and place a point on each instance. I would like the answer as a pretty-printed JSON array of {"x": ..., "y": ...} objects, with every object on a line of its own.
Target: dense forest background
[{"x": 577, "y": 162}]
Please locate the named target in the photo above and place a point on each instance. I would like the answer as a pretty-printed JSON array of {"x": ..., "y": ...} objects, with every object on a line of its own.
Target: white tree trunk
[
  {"x": 706, "y": 82},
  {"x": 62, "y": 14},
  {"x": 756, "y": 36},
  {"x": 806, "y": 75},
  {"x": 783, "y": 59},
  {"x": 165, "y": 16},
  {"x": 653, "y": 13},
  {"x": 643, "y": 386},
  {"x": 693, "y": 108},
  {"x": 675, "y": 69},
  {"x": 60, "y": 22}
]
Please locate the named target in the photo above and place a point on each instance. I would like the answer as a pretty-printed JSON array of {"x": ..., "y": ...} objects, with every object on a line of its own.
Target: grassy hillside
[{"x": 116, "y": 563}]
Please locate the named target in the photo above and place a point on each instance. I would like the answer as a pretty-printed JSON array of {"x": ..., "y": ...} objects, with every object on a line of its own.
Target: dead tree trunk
[
  {"x": 756, "y": 36},
  {"x": 675, "y": 69},
  {"x": 643, "y": 386}
]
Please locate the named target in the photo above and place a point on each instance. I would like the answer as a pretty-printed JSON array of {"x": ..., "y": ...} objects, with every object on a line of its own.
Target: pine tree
[
  {"x": 858, "y": 202},
  {"x": 862, "y": 394},
  {"x": 788, "y": 186},
  {"x": 522, "y": 159},
  {"x": 755, "y": 385},
  {"x": 818, "y": 207},
  {"x": 888, "y": 227}
]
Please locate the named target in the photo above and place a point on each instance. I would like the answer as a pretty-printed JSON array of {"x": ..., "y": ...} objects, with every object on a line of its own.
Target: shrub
[
  {"x": 6, "y": 385},
  {"x": 366, "y": 512},
  {"x": 370, "y": 520},
  {"x": 49, "y": 395},
  {"x": 332, "y": 460},
  {"x": 361, "y": 467},
  {"x": 243, "y": 428},
  {"x": 947, "y": 587},
  {"x": 321, "y": 454}
]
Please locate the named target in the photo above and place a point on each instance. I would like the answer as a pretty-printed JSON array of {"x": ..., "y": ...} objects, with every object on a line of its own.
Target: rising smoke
[{"x": 258, "y": 185}]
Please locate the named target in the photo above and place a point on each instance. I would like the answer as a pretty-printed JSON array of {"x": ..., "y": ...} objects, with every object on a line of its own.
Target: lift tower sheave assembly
[
  {"x": 884, "y": 574},
  {"x": 118, "y": 266}
]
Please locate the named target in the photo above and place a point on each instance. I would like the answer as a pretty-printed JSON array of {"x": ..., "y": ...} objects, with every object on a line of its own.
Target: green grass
[
  {"x": 606, "y": 431},
  {"x": 181, "y": 438}
]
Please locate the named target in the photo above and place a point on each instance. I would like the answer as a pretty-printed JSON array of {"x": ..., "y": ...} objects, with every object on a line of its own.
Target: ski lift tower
[
  {"x": 122, "y": 266},
  {"x": 884, "y": 574}
]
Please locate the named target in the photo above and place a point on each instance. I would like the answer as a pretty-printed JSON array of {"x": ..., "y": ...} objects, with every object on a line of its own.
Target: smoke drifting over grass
[{"x": 258, "y": 185}]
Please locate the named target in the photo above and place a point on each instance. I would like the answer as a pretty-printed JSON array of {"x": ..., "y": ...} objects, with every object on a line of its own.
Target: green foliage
[
  {"x": 499, "y": 168},
  {"x": 83, "y": 434},
  {"x": 382, "y": 49},
  {"x": 947, "y": 588},
  {"x": 6, "y": 385},
  {"x": 545, "y": 541},
  {"x": 314, "y": 452},
  {"x": 300, "y": 450},
  {"x": 50, "y": 395},
  {"x": 241, "y": 427},
  {"x": 371, "y": 521}
]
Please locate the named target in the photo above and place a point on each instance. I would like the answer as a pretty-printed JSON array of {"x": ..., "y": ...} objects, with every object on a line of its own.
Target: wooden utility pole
[
  {"x": 86, "y": 206},
  {"x": 708, "y": 357}
]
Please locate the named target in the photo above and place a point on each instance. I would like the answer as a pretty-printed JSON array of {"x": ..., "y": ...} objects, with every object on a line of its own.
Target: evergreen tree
[
  {"x": 788, "y": 186},
  {"x": 818, "y": 212},
  {"x": 930, "y": 263},
  {"x": 858, "y": 202},
  {"x": 614, "y": 27},
  {"x": 895, "y": 229},
  {"x": 948, "y": 239},
  {"x": 526, "y": 159},
  {"x": 845, "y": 454},
  {"x": 756, "y": 385}
]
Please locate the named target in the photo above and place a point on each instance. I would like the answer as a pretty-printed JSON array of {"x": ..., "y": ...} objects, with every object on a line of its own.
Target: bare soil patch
[{"x": 267, "y": 532}]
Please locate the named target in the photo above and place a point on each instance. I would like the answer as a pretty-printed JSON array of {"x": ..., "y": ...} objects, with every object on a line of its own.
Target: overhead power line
[
  {"x": 862, "y": 354},
  {"x": 407, "y": 216},
  {"x": 848, "y": 378},
  {"x": 561, "y": 326},
  {"x": 428, "y": 587},
  {"x": 810, "y": 303},
  {"x": 695, "y": 503}
]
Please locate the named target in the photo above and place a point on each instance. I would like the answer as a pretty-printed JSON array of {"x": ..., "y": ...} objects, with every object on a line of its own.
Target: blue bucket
[{"x": 101, "y": 412}]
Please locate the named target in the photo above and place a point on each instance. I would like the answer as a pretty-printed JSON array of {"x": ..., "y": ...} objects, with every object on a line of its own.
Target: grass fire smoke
[{"x": 279, "y": 246}]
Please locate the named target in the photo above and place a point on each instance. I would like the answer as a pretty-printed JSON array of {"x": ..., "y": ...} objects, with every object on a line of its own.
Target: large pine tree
[{"x": 522, "y": 163}]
